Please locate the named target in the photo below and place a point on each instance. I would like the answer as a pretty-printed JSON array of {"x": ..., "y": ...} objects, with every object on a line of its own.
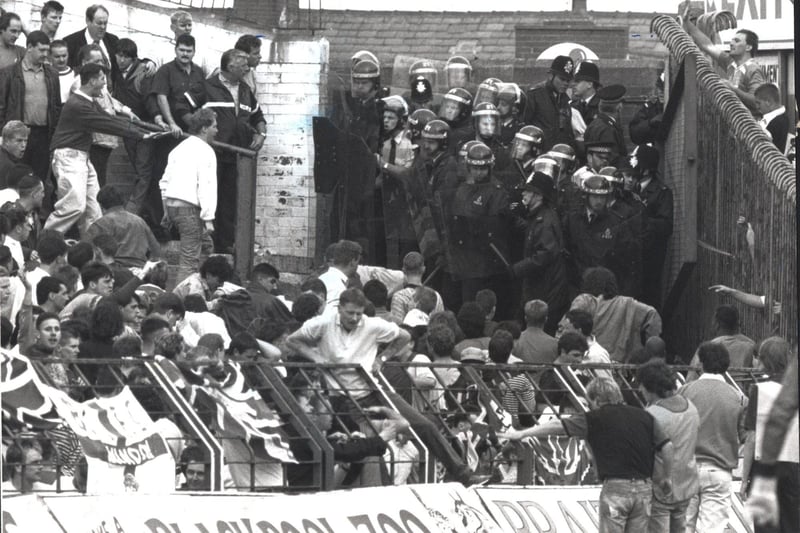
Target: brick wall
[
  {"x": 290, "y": 86},
  {"x": 612, "y": 43}
]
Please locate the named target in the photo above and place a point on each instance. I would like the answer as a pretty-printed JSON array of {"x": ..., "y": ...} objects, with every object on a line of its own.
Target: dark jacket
[
  {"x": 12, "y": 95},
  {"x": 778, "y": 127},
  {"x": 477, "y": 218},
  {"x": 268, "y": 306},
  {"x": 589, "y": 110},
  {"x": 236, "y": 126},
  {"x": 645, "y": 126},
  {"x": 81, "y": 118},
  {"x": 76, "y": 41},
  {"x": 542, "y": 266},
  {"x": 552, "y": 113},
  {"x": 132, "y": 89},
  {"x": 606, "y": 128},
  {"x": 606, "y": 241}
]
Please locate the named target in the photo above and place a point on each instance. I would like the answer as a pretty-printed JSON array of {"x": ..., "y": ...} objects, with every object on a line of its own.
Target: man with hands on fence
[{"x": 626, "y": 442}]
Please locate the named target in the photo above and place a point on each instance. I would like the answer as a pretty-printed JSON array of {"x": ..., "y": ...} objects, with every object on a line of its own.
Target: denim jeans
[
  {"x": 625, "y": 505},
  {"x": 667, "y": 517},
  {"x": 77, "y": 191},
  {"x": 708, "y": 509},
  {"x": 195, "y": 240}
]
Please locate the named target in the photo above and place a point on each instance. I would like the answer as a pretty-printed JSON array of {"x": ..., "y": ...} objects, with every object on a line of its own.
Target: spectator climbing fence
[{"x": 735, "y": 197}]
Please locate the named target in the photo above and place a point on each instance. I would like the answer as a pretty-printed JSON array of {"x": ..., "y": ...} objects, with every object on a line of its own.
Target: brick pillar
[{"x": 290, "y": 86}]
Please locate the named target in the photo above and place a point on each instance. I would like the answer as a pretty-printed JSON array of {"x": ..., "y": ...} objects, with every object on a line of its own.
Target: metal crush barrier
[{"x": 319, "y": 408}]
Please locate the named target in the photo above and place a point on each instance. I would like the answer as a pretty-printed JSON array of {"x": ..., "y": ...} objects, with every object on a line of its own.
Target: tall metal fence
[{"x": 728, "y": 179}]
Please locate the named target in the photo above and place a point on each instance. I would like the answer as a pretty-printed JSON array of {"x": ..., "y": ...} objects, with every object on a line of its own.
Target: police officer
[
  {"x": 607, "y": 128},
  {"x": 627, "y": 206},
  {"x": 541, "y": 267},
  {"x": 456, "y": 110},
  {"x": 525, "y": 148},
  {"x": 422, "y": 77},
  {"x": 584, "y": 91},
  {"x": 354, "y": 210},
  {"x": 459, "y": 73},
  {"x": 477, "y": 220},
  {"x": 657, "y": 200},
  {"x": 596, "y": 236},
  {"x": 645, "y": 126},
  {"x": 417, "y": 122},
  {"x": 486, "y": 123},
  {"x": 487, "y": 92},
  {"x": 391, "y": 204},
  {"x": 511, "y": 106},
  {"x": 548, "y": 105}
]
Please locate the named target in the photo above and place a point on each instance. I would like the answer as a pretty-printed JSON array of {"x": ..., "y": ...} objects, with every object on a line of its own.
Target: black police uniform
[
  {"x": 508, "y": 129},
  {"x": 588, "y": 110},
  {"x": 630, "y": 209},
  {"x": 542, "y": 270},
  {"x": 477, "y": 218},
  {"x": 550, "y": 111},
  {"x": 643, "y": 128},
  {"x": 657, "y": 199},
  {"x": 605, "y": 240},
  {"x": 606, "y": 129}
]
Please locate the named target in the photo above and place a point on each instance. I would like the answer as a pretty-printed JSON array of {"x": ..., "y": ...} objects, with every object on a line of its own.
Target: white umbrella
[{"x": 576, "y": 51}]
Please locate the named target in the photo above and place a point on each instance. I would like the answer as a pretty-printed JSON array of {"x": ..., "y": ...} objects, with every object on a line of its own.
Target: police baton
[
  {"x": 430, "y": 276},
  {"x": 499, "y": 254}
]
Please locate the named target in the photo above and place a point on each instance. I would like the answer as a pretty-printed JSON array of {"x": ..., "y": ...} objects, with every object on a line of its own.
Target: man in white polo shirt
[{"x": 350, "y": 337}]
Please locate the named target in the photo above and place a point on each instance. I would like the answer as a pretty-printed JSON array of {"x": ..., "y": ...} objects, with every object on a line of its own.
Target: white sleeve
[
  {"x": 207, "y": 186},
  {"x": 578, "y": 125}
]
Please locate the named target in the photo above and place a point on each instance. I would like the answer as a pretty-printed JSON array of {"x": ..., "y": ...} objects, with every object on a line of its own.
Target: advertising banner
[
  {"x": 564, "y": 509},
  {"x": 375, "y": 510},
  {"x": 27, "y": 513},
  {"x": 455, "y": 509}
]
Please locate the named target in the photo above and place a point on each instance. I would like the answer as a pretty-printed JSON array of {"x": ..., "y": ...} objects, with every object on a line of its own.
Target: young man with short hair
[
  {"x": 136, "y": 243},
  {"x": 346, "y": 256},
  {"x": 15, "y": 141},
  {"x": 30, "y": 92},
  {"x": 744, "y": 74},
  {"x": 51, "y": 294},
  {"x": 679, "y": 418},
  {"x": 59, "y": 57},
  {"x": 10, "y": 30},
  {"x": 51, "y": 14},
  {"x": 625, "y": 466},
  {"x": 403, "y": 300},
  {"x": 534, "y": 345},
  {"x": 77, "y": 178},
  {"x": 722, "y": 411}
]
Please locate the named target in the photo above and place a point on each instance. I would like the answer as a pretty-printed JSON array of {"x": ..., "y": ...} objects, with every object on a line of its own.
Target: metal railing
[
  {"x": 722, "y": 166},
  {"x": 319, "y": 407}
]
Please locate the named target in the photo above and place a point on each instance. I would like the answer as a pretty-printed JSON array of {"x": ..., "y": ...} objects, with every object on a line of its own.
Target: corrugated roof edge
[{"x": 767, "y": 158}]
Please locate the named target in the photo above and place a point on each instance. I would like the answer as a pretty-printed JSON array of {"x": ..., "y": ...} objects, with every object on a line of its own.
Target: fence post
[{"x": 244, "y": 243}]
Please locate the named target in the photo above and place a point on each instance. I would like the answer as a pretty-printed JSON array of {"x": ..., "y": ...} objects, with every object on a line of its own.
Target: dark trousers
[
  {"x": 154, "y": 211},
  {"x": 225, "y": 217},
  {"x": 99, "y": 155},
  {"x": 37, "y": 156},
  {"x": 140, "y": 154}
]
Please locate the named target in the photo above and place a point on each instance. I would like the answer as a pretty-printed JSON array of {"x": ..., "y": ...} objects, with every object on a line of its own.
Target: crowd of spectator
[{"x": 475, "y": 347}]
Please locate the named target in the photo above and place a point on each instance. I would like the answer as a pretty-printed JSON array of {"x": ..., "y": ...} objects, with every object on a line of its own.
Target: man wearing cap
[
  {"x": 584, "y": 91},
  {"x": 548, "y": 105},
  {"x": 595, "y": 236},
  {"x": 607, "y": 128},
  {"x": 542, "y": 268}
]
